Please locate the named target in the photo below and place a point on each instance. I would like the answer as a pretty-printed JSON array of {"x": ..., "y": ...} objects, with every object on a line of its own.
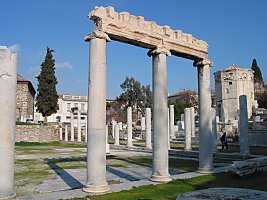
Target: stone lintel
[{"x": 135, "y": 30}]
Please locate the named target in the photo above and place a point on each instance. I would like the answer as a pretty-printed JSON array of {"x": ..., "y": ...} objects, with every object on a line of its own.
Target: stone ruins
[
  {"x": 230, "y": 83},
  {"x": 161, "y": 42}
]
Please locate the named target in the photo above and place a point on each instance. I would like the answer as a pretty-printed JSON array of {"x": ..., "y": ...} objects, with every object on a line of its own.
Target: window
[
  {"x": 68, "y": 107},
  {"x": 82, "y": 106},
  {"x": 227, "y": 91},
  {"x": 76, "y": 105},
  {"x": 230, "y": 83}
]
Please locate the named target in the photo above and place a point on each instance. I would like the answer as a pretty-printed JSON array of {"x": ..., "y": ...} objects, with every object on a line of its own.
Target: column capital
[
  {"x": 161, "y": 48},
  {"x": 97, "y": 34},
  {"x": 202, "y": 62}
]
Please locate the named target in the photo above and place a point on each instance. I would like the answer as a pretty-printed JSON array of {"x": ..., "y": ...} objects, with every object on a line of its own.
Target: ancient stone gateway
[{"x": 161, "y": 42}]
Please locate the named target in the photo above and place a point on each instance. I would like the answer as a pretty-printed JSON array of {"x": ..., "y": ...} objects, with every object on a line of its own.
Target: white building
[{"x": 65, "y": 103}]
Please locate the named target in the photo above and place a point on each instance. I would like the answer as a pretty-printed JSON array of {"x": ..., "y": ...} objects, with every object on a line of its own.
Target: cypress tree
[
  {"x": 257, "y": 72},
  {"x": 46, "y": 100}
]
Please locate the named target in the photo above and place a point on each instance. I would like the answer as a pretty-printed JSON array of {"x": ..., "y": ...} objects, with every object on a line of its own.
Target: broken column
[
  {"x": 205, "y": 131},
  {"x": 60, "y": 133},
  {"x": 192, "y": 116},
  {"x": 117, "y": 134},
  {"x": 172, "y": 122},
  {"x": 66, "y": 133},
  {"x": 187, "y": 128},
  {"x": 72, "y": 127},
  {"x": 79, "y": 126},
  {"x": 129, "y": 127},
  {"x": 113, "y": 128},
  {"x": 160, "y": 169},
  {"x": 243, "y": 125},
  {"x": 148, "y": 128},
  {"x": 107, "y": 144},
  {"x": 96, "y": 139},
  {"x": 214, "y": 129},
  {"x": 8, "y": 89}
]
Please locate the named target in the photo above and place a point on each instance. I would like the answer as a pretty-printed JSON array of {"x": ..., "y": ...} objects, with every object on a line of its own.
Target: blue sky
[{"x": 236, "y": 32}]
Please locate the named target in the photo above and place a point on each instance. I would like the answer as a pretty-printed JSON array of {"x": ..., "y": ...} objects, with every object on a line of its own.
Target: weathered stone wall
[
  {"x": 258, "y": 139},
  {"x": 36, "y": 133},
  {"x": 22, "y": 96}
]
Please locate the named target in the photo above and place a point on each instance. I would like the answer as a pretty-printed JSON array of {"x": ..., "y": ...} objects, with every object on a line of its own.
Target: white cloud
[
  {"x": 14, "y": 48},
  {"x": 64, "y": 65},
  {"x": 34, "y": 70}
]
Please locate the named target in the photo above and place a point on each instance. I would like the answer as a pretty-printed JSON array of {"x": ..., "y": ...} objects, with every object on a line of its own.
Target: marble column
[
  {"x": 148, "y": 128},
  {"x": 113, "y": 128},
  {"x": 107, "y": 144},
  {"x": 86, "y": 121},
  {"x": 169, "y": 140},
  {"x": 187, "y": 129},
  {"x": 96, "y": 139},
  {"x": 205, "y": 130},
  {"x": 192, "y": 116},
  {"x": 172, "y": 121},
  {"x": 117, "y": 134},
  {"x": 66, "y": 133},
  {"x": 160, "y": 168},
  {"x": 8, "y": 86},
  {"x": 60, "y": 134},
  {"x": 72, "y": 127},
  {"x": 243, "y": 125},
  {"x": 129, "y": 127},
  {"x": 79, "y": 126},
  {"x": 214, "y": 129}
]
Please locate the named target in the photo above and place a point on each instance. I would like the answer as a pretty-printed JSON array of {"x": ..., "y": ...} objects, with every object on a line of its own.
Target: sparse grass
[
  {"x": 49, "y": 144},
  {"x": 172, "y": 189},
  {"x": 29, "y": 173}
]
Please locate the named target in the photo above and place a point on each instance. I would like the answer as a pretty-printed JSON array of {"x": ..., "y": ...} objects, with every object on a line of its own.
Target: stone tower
[{"x": 230, "y": 83}]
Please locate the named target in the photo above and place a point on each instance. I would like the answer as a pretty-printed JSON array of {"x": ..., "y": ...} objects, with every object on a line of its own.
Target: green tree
[
  {"x": 46, "y": 100},
  {"x": 262, "y": 101},
  {"x": 179, "y": 109},
  {"x": 135, "y": 95},
  {"x": 257, "y": 72}
]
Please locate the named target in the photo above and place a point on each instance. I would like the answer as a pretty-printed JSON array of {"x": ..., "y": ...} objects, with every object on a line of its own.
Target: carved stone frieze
[{"x": 135, "y": 30}]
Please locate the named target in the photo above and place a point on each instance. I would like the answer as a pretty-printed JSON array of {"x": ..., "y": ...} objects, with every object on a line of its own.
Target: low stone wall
[
  {"x": 258, "y": 139},
  {"x": 36, "y": 133}
]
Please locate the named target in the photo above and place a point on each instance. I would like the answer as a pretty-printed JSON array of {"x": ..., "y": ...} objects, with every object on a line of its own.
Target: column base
[
  {"x": 96, "y": 188},
  {"x": 160, "y": 179},
  {"x": 13, "y": 196},
  {"x": 205, "y": 170},
  {"x": 129, "y": 145}
]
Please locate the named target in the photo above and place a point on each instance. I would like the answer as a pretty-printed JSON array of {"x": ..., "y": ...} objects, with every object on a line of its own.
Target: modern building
[
  {"x": 66, "y": 103},
  {"x": 230, "y": 83},
  {"x": 25, "y": 100}
]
